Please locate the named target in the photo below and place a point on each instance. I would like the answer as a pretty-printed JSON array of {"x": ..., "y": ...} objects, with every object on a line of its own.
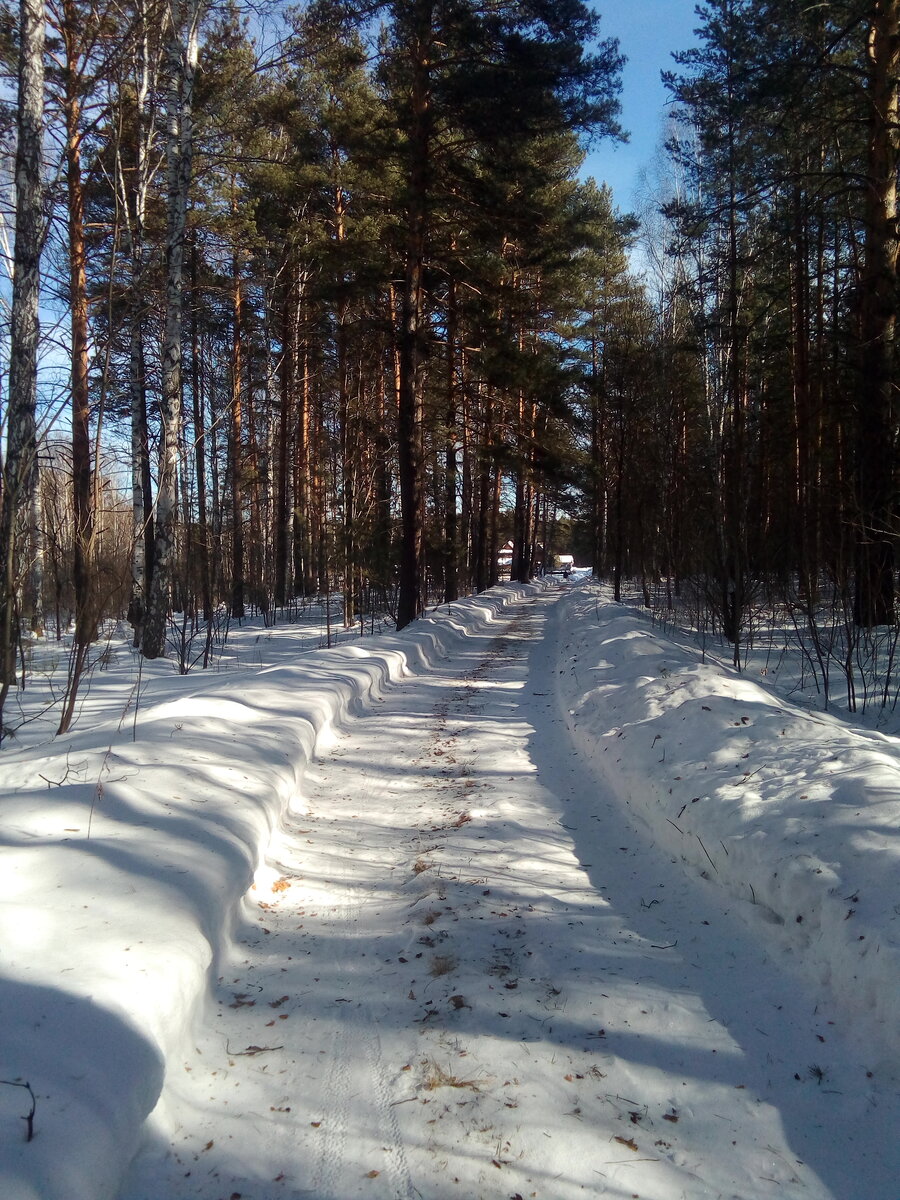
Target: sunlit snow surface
[{"x": 528, "y": 900}]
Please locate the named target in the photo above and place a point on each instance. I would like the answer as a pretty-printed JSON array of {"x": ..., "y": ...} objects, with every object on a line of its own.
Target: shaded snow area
[{"x": 525, "y": 901}]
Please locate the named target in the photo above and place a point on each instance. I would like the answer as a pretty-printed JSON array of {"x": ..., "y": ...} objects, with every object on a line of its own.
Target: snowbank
[
  {"x": 795, "y": 814},
  {"x": 125, "y": 851}
]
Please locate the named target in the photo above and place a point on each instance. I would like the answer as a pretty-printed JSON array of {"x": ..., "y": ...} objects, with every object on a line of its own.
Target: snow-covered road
[{"x": 465, "y": 974}]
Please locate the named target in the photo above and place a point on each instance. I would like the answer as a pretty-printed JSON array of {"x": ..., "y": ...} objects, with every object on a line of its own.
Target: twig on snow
[
  {"x": 29, "y": 1119},
  {"x": 706, "y": 852},
  {"x": 251, "y": 1051}
]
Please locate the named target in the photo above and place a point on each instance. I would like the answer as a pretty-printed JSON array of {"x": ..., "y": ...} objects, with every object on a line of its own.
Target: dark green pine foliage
[
  {"x": 473, "y": 88},
  {"x": 323, "y": 203},
  {"x": 231, "y": 284},
  {"x": 606, "y": 296}
]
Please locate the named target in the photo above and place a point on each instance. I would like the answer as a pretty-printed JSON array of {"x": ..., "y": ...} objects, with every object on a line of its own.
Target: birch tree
[
  {"x": 20, "y": 469},
  {"x": 134, "y": 173},
  {"x": 180, "y": 70}
]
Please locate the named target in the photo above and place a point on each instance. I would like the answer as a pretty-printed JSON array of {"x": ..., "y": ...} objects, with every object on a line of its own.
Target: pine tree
[{"x": 473, "y": 87}]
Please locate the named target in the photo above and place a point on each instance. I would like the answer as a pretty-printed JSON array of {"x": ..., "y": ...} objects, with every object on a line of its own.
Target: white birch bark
[
  {"x": 37, "y": 547},
  {"x": 180, "y": 69},
  {"x": 20, "y": 471},
  {"x": 132, "y": 204}
]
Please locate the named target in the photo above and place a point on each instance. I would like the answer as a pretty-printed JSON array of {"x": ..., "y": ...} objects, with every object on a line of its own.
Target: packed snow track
[
  {"x": 526, "y": 901},
  {"x": 469, "y": 975}
]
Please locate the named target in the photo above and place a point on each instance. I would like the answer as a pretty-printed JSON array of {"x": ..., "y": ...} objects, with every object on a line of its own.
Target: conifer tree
[{"x": 485, "y": 82}]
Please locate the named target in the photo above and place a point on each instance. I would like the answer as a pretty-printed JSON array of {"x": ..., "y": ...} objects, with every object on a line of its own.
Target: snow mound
[
  {"x": 795, "y": 814},
  {"x": 126, "y": 851}
]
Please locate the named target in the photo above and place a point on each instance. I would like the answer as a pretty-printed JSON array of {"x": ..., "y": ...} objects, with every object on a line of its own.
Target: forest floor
[{"x": 543, "y": 904}]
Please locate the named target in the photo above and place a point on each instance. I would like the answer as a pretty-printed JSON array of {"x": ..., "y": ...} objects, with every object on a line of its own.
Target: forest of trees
[{"x": 317, "y": 298}]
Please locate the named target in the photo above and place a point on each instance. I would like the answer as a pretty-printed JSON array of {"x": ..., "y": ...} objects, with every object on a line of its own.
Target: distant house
[{"x": 505, "y": 558}]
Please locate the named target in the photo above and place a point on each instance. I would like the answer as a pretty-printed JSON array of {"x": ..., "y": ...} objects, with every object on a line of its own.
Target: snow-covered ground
[{"x": 526, "y": 901}]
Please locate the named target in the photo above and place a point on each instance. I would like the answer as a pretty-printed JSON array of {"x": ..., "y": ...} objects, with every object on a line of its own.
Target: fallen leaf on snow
[{"x": 629, "y": 1142}]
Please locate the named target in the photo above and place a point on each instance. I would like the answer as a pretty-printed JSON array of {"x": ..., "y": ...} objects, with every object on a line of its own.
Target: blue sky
[{"x": 648, "y": 32}]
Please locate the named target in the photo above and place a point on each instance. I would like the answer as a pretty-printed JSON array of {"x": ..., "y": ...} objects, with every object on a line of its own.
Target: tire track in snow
[{"x": 439, "y": 781}]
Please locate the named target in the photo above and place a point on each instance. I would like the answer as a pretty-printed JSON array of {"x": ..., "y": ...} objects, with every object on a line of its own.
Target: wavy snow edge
[
  {"x": 794, "y": 813},
  {"x": 109, "y": 943}
]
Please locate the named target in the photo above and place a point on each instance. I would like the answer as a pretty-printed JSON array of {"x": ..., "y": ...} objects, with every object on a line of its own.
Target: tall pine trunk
[
  {"x": 199, "y": 540},
  {"x": 235, "y": 458},
  {"x": 285, "y": 441},
  {"x": 411, "y": 469},
  {"x": 451, "y": 465},
  {"x": 874, "y": 595}
]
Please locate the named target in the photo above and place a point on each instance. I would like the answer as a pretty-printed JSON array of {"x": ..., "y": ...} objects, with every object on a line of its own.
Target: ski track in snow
[{"x": 475, "y": 926}]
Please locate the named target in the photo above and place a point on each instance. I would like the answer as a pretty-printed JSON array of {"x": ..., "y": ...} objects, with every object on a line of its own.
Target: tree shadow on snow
[
  {"x": 94, "y": 1078},
  {"x": 782, "y": 1050}
]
